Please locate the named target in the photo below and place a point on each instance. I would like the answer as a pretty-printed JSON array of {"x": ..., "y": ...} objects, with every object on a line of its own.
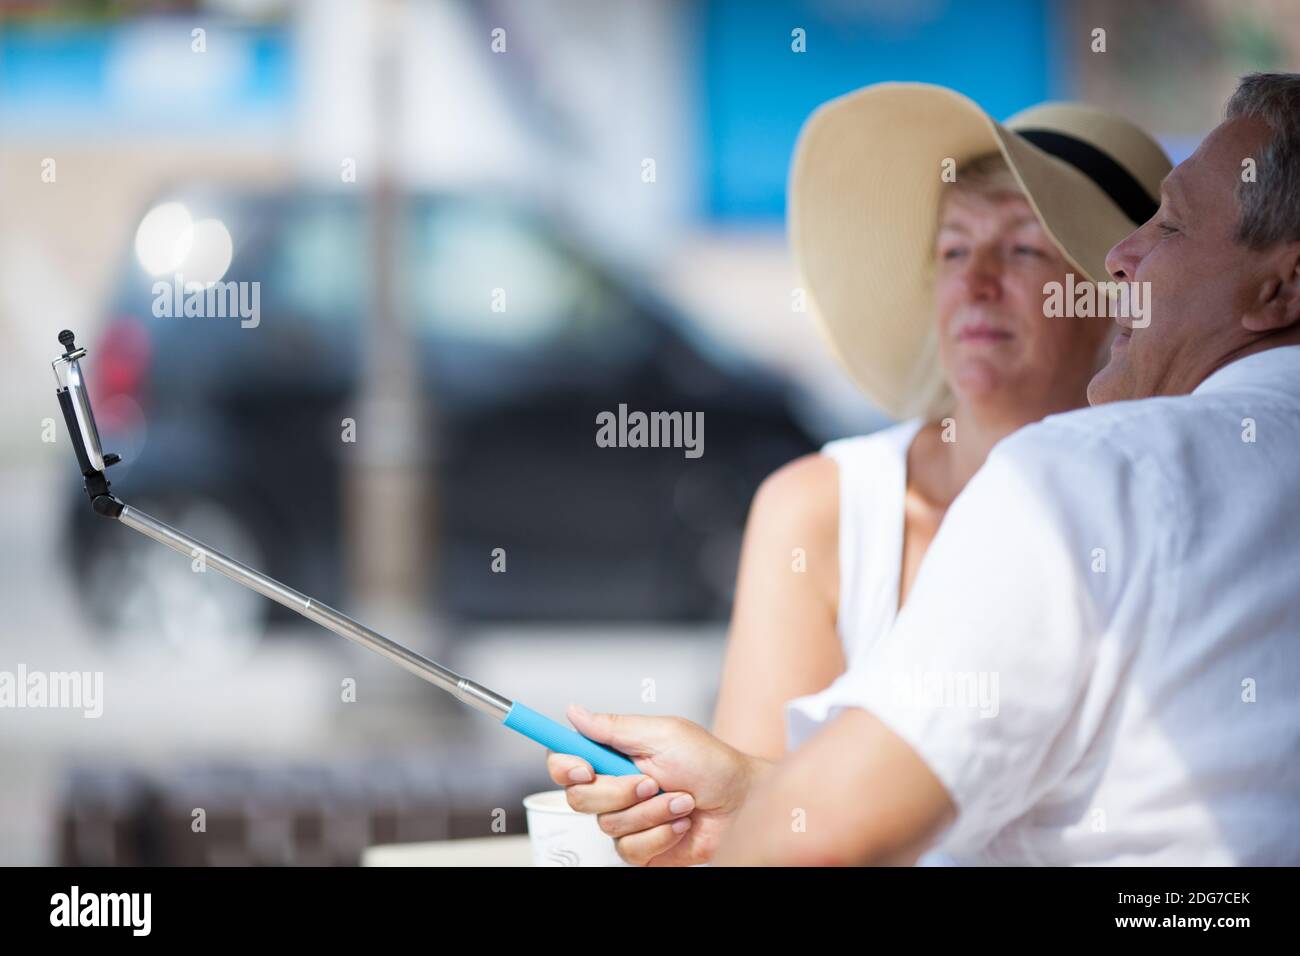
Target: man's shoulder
[
  {"x": 1113, "y": 459},
  {"x": 1117, "y": 433}
]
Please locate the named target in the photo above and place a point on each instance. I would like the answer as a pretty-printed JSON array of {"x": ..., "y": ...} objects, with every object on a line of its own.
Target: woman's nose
[{"x": 983, "y": 276}]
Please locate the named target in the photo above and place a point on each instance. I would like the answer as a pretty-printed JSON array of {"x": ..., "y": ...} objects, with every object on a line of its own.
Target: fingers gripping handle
[{"x": 564, "y": 740}]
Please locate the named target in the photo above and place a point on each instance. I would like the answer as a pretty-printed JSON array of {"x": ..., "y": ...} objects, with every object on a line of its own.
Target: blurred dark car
[{"x": 235, "y": 433}]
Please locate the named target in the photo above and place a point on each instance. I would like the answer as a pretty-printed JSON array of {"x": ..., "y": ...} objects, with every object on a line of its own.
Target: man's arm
[
  {"x": 985, "y": 694},
  {"x": 853, "y": 794}
]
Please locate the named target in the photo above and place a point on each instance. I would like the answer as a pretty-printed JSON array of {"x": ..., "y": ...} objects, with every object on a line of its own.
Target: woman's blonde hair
[{"x": 987, "y": 175}]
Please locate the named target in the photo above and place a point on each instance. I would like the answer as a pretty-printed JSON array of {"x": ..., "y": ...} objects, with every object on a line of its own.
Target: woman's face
[{"x": 993, "y": 259}]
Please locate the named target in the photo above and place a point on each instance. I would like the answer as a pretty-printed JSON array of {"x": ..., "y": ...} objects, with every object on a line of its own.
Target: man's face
[{"x": 1201, "y": 279}]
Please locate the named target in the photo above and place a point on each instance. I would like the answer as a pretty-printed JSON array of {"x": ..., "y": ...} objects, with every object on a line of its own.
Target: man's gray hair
[{"x": 1270, "y": 206}]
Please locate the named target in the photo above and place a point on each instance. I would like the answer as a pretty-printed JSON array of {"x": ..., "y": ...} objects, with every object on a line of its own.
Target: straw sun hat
[{"x": 864, "y": 193}]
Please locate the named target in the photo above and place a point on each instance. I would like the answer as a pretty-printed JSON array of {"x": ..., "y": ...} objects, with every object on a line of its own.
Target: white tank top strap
[{"x": 873, "y": 486}]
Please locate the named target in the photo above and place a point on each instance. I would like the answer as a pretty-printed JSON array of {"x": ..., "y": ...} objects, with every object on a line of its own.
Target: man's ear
[{"x": 1277, "y": 305}]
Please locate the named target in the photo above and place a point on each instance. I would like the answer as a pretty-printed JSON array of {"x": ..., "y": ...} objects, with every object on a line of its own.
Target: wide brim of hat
[{"x": 864, "y": 192}]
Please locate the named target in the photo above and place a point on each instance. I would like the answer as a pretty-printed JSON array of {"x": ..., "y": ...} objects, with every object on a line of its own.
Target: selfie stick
[{"x": 75, "y": 402}]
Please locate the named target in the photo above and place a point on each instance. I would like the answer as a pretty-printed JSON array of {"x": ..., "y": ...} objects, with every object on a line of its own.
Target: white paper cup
[{"x": 561, "y": 836}]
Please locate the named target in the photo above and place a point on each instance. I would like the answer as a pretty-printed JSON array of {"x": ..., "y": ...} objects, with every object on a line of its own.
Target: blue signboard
[{"x": 757, "y": 91}]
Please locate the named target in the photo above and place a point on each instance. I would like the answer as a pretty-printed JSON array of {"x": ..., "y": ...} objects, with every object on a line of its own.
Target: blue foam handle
[{"x": 565, "y": 740}]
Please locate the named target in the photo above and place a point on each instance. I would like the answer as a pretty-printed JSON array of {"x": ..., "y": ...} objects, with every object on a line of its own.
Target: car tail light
[{"x": 122, "y": 362}]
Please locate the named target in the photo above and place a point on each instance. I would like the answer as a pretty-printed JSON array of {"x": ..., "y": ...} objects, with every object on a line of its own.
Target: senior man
[{"x": 1136, "y": 566}]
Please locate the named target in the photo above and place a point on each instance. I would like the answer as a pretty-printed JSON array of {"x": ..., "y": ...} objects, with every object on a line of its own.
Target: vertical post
[{"x": 389, "y": 480}]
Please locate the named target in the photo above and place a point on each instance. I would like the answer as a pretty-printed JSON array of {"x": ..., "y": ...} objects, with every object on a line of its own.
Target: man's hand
[{"x": 705, "y": 781}]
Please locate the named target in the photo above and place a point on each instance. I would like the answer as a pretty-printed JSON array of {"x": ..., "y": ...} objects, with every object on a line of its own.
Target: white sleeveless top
[
  {"x": 873, "y": 489},
  {"x": 873, "y": 486}
]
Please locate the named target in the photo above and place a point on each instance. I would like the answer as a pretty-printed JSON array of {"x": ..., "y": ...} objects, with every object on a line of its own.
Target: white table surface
[{"x": 504, "y": 850}]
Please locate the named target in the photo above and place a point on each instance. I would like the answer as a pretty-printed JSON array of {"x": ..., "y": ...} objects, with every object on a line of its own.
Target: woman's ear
[{"x": 1277, "y": 305}]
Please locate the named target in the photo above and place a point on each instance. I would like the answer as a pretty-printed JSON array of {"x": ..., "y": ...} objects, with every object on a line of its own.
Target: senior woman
[{"x": 928, "y": 237}]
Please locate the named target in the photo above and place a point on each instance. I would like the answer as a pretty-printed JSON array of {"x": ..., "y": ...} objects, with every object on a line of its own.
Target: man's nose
[{"x": 1123, "y": 258}]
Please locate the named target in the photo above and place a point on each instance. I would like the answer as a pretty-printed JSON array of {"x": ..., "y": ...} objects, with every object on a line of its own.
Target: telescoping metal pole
[
  {"x": 464, "y": 690},
  {"x": 75, "y": 403}
]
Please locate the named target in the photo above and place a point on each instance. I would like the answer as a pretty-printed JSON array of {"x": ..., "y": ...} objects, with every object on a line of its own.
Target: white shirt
[{"x": 1100, "y": 655}]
